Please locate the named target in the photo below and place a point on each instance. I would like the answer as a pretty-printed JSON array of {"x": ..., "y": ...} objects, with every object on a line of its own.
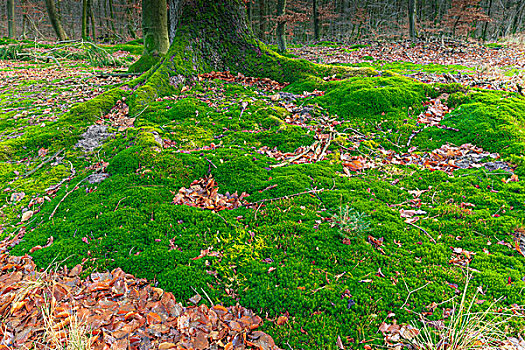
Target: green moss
[
  {"x": 283, "y": 255},
  {"x": 5, "y": 152},
  {"x": 88, "y": 112},
  {"x": 492, "y": 121},
  {"x": 372, "y": 99},
  {"x": 144, "y": 63}
]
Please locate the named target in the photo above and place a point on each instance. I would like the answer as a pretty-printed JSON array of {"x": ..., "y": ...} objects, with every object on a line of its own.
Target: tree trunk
[
  {"x": 262, "y": 19},
  {"x": 92, "y": 20},
  {"x": 155, "y": 33},
  {"x": 129, "y": 19},
  {"x": 84, "y": 33},
  {"x": 486, "y": 25},
  {"x": 112, "y": 17},
  {"x": 412, "y": 19},
  {"x": 11, "y": 18},
  {"x": 213, "y": 35},
  {"x": 173, "y": 15},
  {"x": 281, "y": 25},
  {"x": 55, "y": 20},
  {"x": 316, "y": 20}
]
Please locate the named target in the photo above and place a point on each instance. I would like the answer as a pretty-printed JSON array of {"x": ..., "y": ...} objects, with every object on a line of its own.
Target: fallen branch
[
  {"x": 67, "y": 194},
  {"x": 423, "y": 230},
  {"x": 410, "y": 292},
  {"x": 70, "y": 177},
  {"x": 122, "y": 75},
  {"x": 47, "y": 160},
  {"x": 284, "y": 197},
  {"x": 412, "y": 136}
]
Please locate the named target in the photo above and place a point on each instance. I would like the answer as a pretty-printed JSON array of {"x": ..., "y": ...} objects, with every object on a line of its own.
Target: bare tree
[
  {"x": 11, "y": 18},
  {"x": 281, "y": 25},
  {"x": 55, "y": 20}
]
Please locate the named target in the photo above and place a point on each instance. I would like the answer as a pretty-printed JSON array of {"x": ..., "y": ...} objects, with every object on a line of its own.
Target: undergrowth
[{"x": 286, "y": 257}]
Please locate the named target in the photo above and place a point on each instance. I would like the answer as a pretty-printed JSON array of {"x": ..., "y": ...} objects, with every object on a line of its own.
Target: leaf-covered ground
[{"x": 320, "y": 206}]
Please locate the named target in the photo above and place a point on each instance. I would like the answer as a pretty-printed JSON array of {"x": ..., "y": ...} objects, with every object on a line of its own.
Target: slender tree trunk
[
  {"x": 92, "y": 21},
  {"x": 249, "y": 7},
  {"x": 281, "y": 25},
  {"x": 412, "y": 10},
  {"x": 486, "y": 25},
  {"x": 517, "y": 17},
  {"x": 55, "y": 20},
  {"x": 316, "y": 19},
  {"x": 11, "y": 18},
  {"x": 155, "y": 33},
  {"x": 24, "y": 18},
  {"x": 84, "y": 21},
  {"x": 262, "y": 19},
  {"x": 129, "y": 19},
  {"x": 112, "y": 17}
]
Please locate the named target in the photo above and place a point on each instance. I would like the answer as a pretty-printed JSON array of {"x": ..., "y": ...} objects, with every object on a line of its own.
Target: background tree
[
  {"x": 55, "y": 20},
  {"x": 11, "y": 18},
  {"x": 412, "y": 19},
  {"x": 155, "y": 33},
  {"x": 84, "y": 29},
  {"x": 281, "y": 25},
  {"x": 316, "y": 20}
]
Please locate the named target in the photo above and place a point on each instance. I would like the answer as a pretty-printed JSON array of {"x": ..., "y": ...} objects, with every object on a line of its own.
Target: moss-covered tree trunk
[
  {"x": 155, "y": 33},
  {"x": 213, "y": 35},
  {"x": 55, "y": 20}
]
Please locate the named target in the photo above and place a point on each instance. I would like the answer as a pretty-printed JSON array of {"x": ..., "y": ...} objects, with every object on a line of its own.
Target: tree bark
[
  {"x": 316, "y": 20},
  {"x": 173, "y": 15},
  {"x": 92, "y": 20},
  {"x": 412, "y": 19},
  {"x": 129, "y": 19},
  {"x": 155, "y": 33},
  {"x": 84, "y": 33},
  {"x": 262, "y": 19},
  {"x": 486, "y": 25},
  {"x": 281, "y": 25},
  {"x": 55, "y": 20},
  {"x": 112, "y": 17},
  {"x": 11, "y": 18}
]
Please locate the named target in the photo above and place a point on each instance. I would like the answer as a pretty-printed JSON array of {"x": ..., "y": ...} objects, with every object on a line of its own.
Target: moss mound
[{"x": 286, "y": 254}]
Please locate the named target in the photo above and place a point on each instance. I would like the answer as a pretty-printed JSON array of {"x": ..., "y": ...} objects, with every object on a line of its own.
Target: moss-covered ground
[{"x": 279, "y": 257}]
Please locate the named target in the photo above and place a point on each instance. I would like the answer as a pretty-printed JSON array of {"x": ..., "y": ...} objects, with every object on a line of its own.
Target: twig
[
  {"x": 410, "y": 292},
  {"x": 125, "y": 75},
  {"x": 138, "y": 115},
  {"x": 67, "y": 194},
  {"x": 43, "y": 163},
  {"x": 257, "y": 210},
  {"x": 210, "y": 165},
  {"x": 73, "y": 172},
  {"x": 354, "y": 130},
  {"x": 294, "y": 158},
  {"x": 284, "y": 197},
  {"x": 412, "y": 136},
  {"x": 423, "y": 230},
  {"x": 119, "y": 203},
  {"x": 207, "y": 297}
]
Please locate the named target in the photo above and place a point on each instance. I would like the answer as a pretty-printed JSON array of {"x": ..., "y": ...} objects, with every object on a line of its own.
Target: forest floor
[{"x": 339, "y": 211}]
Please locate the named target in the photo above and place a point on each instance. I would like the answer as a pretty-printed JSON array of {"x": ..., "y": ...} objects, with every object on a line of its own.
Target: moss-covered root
[
  {"x": 215, "y": 36},
  {"x": 144, "y": 63}
]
